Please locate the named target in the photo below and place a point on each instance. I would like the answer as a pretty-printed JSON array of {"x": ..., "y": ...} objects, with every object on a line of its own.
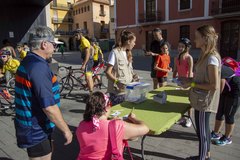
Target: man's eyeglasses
[
  {"x": 3, "y": 56},
  {"x": 53, "y": 43}
]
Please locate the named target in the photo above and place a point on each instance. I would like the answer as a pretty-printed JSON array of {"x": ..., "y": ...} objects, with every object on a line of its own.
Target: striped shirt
[{"x": 36, "y": 88}]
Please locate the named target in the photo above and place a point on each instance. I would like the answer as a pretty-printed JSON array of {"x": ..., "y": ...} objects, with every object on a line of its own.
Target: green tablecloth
[{"x": 158, "y": 117}]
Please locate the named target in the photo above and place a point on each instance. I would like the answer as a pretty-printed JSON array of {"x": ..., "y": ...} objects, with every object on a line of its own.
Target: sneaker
[
  {"x": 215, "y": 136},
  {"x": 188, "y": 123},
  {"x": 223, "y": 141}
]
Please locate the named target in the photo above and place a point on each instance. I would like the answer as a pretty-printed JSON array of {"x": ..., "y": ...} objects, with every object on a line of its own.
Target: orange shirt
[{"x": 163, "y": 61}]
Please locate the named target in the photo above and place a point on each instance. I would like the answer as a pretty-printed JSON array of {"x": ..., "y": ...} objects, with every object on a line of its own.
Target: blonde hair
[{"x": 211, "y": 38}]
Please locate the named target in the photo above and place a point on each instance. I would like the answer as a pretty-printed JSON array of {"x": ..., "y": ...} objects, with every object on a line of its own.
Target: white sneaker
[{"x": 188, "y": 123}]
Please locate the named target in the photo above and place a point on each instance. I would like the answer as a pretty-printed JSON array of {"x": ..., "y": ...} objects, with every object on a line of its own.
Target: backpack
[{"x": 234, "y": 79}]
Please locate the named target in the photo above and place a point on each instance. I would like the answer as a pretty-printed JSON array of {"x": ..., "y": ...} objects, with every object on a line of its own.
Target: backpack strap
[{"x": 116, "y": 155}]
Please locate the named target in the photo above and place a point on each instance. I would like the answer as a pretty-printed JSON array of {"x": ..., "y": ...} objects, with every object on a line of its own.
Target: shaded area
[{"x": 18, "y": 16}]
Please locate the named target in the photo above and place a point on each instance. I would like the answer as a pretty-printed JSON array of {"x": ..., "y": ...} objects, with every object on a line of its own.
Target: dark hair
[
  {"x": 5, "y": 41},
  {"x": 157, "y": 30},
  {"x": 124, "y": 37},
  {"x": 167, "y": 44},
  {"x": 95, "y": 106},
  {"x": 187, "y": 44}
]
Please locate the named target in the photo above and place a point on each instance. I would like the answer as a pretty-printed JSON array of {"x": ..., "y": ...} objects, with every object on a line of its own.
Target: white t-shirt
[
  {"x": 212, "y": 60},
  {"x": 112, "y": 57}
]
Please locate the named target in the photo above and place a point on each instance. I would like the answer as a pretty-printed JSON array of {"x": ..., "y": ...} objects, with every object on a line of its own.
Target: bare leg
[
  {"x": 229, "y": 129},
  {"x": 46, "y": 157},
  {"x": 155, "y": 83},
  {"x": 218, "y": 126},
  {"x": 89, "y": 81}
]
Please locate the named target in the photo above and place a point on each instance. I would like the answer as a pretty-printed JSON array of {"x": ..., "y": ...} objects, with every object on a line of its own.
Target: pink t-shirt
[
  {"x": 96, "y": 145},
  {"x": 183, "y": 67}
]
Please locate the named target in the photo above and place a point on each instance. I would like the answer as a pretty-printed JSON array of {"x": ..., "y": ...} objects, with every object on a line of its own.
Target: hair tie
[{"x": 95, "y": 122}]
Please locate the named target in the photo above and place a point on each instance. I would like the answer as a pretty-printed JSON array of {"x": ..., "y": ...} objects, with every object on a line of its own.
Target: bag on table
[{"x": 200, "y": 99}]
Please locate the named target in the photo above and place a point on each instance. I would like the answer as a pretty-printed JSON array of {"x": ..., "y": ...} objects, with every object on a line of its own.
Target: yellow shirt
[
  {"x": 22, "y": 54},
  {"x": 97, "y": 50},
  {"x": 84, "y": 43},
  {"x": 11, "y": 65}
]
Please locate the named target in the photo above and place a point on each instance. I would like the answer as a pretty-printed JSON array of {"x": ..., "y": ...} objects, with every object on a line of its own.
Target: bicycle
[
  {"x": 75, "y": 79},
  {"x": 7, "y": 105}
]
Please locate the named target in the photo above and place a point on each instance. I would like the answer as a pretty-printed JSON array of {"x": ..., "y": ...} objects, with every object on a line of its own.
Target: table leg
[{"x": 142, "y": 147}]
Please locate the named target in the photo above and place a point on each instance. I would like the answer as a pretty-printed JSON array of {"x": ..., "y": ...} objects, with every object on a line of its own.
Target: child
[
  {"x": 21, "y": 51},
  {"x": 183, "y": 69},
  {"x": 10, "y": 65},
  {"x": 227, "y": 108},
  {"x": 162, "y": 64}
]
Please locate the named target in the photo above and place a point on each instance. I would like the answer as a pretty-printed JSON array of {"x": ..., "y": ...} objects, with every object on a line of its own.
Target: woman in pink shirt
[
  {"x": 93, "y": 132},
  {"x": 183, "y": 69}
]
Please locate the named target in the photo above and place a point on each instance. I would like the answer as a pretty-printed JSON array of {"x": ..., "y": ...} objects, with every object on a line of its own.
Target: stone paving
[{"x": 175, "y": 144}]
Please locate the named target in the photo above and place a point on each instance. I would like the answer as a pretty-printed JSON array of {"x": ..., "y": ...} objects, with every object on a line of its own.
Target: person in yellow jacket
[
  {"x": 86, "y": 54},
  {"x": 98, "y": 55},
  {"x": 10, "y": 65},
  {"x": 22, "y": 52}
]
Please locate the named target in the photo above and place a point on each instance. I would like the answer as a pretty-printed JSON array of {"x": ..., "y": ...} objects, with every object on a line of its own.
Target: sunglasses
[
  {"x": 3, "y": 56},
  {"x": 53, "y": 43}
]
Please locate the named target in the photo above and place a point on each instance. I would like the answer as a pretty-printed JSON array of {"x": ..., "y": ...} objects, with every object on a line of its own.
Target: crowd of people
[{"x": 213, "y": 88}]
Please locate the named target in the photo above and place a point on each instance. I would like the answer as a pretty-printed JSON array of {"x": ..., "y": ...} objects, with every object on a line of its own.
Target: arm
[
  {"x": 111, "y": 77},
  {"x": 222, "y": 84},
  {"x": 55, "y": 116},
  {"x": 175, "y": 68},
  {"x": 135, "y": 128},
  {"x": 190, "y": 69}
]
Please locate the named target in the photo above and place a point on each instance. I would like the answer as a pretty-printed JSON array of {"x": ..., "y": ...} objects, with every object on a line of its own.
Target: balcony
[
  {"x": 102, "y": 13},
  {"x": 64, "y": 33},
  {"x": 229, "y": 7},
  {"x": 149, "y": 17},
  {"x": 64, "y": 7},
  {"x": 62, "y": 20}
]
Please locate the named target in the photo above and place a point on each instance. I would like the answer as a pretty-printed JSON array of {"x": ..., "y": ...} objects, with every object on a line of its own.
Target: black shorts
[
  {"x": 162, "y": 79},
  {"x": 95, "y": 63},
  {"x": 41, "y": 149}
]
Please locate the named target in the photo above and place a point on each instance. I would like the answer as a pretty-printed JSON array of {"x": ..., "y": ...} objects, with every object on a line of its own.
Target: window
[
  {"x": 150, "y": 10},
  {"x": 82, "y": 9},
  {"x": 70, "y": 27},
  {"x": 102, "y": 25},
  {"x": 85, "y": 25},
  {"x": 88, "y": 8},
  {"x": 101, "y": 8},
  {"x": 112, "y": 20},
  {"x": 185, "y": 31},
  {"x": 79, "y": 11},
  {"x": 85, "y": 9},
  {"x": 184, "y": 4},
  {"x": 164, "y": 34},
  {"x": 73, "y": 13},
  {"x": 77, "y": 25}
]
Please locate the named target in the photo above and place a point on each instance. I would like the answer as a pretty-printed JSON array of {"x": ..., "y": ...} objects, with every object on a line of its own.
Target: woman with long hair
[
  {"x": 96, "y": 133},
  {"x": 119, "y": 69},
  {"x": 183, "y": 69},
  {"x": 205, "y": 87}
]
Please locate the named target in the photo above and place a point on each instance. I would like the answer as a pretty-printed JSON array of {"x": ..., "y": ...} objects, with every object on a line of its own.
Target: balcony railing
[
  {"x": 149, "y": 17},
  {"x": 60, "y": 6},
  {"x": 229, "y": 6},
  {"x": 67, "y": 33},
  {"x": 62, "y": 20},
  {"x": 102, "y": 13}
]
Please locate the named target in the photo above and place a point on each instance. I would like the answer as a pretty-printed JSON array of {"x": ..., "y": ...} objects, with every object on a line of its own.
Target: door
[{"x": 230, "y": 35}]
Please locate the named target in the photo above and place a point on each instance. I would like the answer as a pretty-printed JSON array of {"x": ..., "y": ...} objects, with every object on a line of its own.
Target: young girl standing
[
  {"x": 162, "y": 64},
  {"x": 183, "y": 68}
]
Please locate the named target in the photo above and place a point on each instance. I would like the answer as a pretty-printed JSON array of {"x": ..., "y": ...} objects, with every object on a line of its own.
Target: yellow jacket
[
  {"x": 22, "y": 54},
  {"x": 11, "y": 65}
]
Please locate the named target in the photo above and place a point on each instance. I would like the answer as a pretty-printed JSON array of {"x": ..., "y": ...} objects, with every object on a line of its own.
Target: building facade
[
  {"x": 112, "y": 24},
  {"x": 93, "y": 17},
  {"x": 60, "y": 19},
  {"x": 180, "y": 18}
]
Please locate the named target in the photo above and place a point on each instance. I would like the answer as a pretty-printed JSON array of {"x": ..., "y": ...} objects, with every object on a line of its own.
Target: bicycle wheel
[
  {"x": 66, "y": 85},
  {"x": 7, "y": 106},
  {"x": 11, "y": 86}
]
